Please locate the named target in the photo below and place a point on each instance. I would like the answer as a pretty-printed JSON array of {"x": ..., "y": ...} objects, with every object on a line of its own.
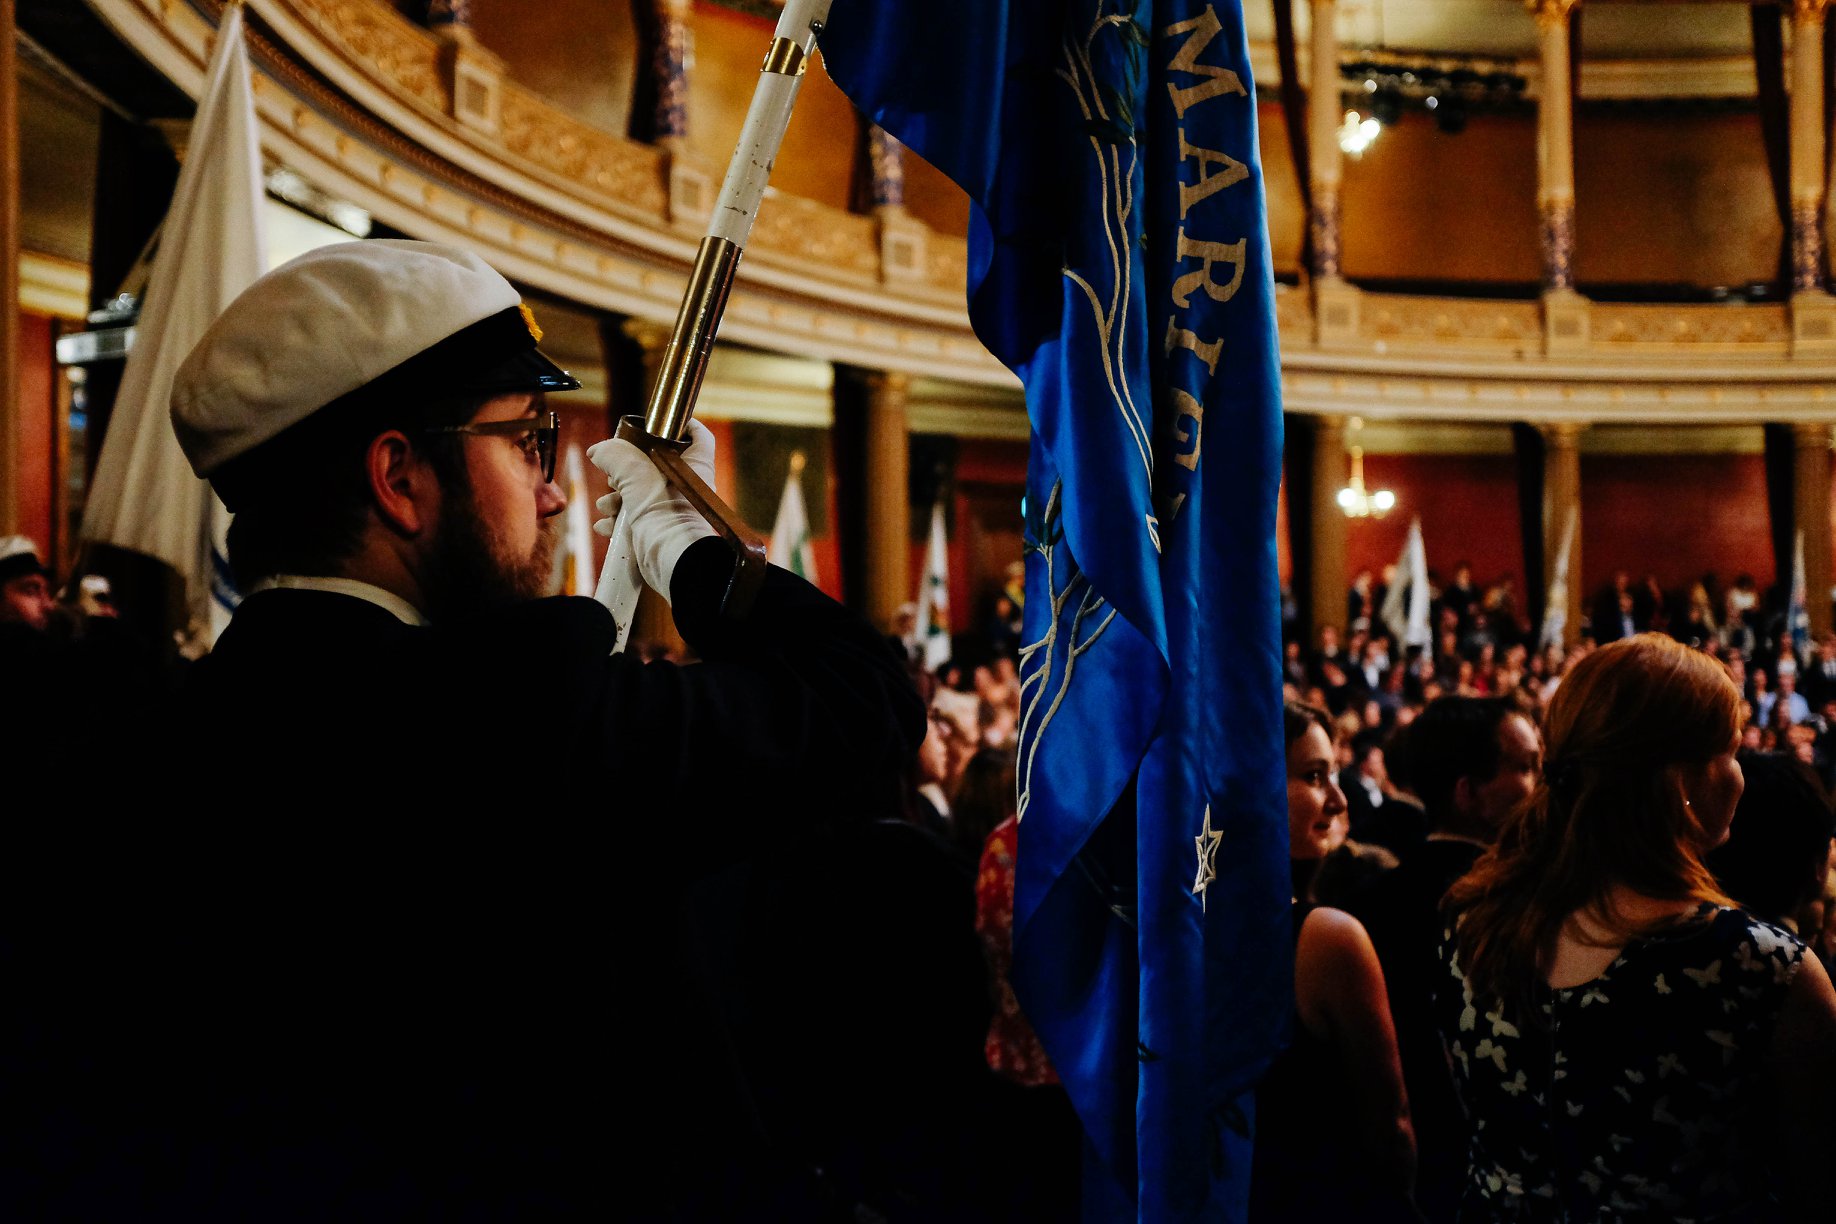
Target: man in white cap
[
  {"x": 25, "y": 585},
  {"x": 419, "y": 951}
]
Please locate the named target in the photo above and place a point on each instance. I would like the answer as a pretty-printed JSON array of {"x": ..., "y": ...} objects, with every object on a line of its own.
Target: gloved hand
[{"x": 662, "y": 522}]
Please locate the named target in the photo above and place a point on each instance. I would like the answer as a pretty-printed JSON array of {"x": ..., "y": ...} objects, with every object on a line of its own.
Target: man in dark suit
[
  {"x": 1470, "y": 760},
  {"x": 426, "y": 937}
]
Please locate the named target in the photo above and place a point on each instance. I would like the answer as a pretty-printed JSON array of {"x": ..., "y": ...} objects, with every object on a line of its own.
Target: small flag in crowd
[
  {"x": 1798, "y": 613},
  {"x": 934, "y": 594},
  {"x": 1555, "y": 600},
  {"x": 211, "y": 247},
  {"x": 791, "y": 548},
  {"x": 1405, "y": 604},
  {"x": 1119, "y": 264}
]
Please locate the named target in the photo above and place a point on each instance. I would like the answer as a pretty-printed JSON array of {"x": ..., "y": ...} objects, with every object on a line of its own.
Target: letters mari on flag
[
  {"x": 211, "y": 248},
  {"x": 1119, "y": 263}
]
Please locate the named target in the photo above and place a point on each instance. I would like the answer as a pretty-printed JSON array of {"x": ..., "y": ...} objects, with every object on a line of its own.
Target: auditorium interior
[{"x": 1551, "y": 277}]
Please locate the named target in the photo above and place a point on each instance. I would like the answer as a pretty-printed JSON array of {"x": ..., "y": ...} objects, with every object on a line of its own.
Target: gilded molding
[
  {"x": 1751, "y": 327},
  {"x": 1405, "y": 318},
  {"x": 633, "y": 174},
  {"x": 946, "y": 262},
  {"x": 816, "y": 237},
  {"x": 1557, "y": 239},
  {"x": 392, "y": 48}
]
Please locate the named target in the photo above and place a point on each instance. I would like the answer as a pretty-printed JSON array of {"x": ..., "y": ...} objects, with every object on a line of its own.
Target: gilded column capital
[
  {"x": 1811, "y": 434},
  {"x": 651, "y": 337},
  {"x": 888, "y": 388},
  {"x": 1808, "y": 12},
  {"x": 1550, "y": 13},
  {"x": 1562, "y": 435}
]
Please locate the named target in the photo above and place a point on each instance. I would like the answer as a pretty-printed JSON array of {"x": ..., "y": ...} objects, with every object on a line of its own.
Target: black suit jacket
[{"x": 411, "y": 935}]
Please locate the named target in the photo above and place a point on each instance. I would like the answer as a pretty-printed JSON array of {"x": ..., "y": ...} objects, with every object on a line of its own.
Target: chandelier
[{"x": 1359, "y": 502}]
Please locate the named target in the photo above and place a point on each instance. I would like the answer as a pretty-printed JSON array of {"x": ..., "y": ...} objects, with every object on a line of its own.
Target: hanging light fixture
[
  {"x": 1354, "y": 498},
  {"x": 1358, "y": 133}
]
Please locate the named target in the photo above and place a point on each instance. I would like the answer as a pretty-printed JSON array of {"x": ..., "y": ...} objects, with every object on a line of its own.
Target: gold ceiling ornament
[{"x": 1808, "y": 12}]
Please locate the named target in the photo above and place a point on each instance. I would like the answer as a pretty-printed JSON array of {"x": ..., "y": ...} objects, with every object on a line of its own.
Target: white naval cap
[
  {"x": 18, "y": 557},
  {"x": 414, "y": 317}
]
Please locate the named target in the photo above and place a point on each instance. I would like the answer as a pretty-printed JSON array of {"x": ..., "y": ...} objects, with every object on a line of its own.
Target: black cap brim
[{"x": 525, "y": 370}]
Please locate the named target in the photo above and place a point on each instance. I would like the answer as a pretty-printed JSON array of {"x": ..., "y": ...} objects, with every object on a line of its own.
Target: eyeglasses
[{"x": 539, "y": 436}]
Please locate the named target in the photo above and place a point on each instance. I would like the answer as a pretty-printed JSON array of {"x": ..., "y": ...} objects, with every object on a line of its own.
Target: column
[
  {"x": 652, "y": 623},
  {"x": 888, "y": 498},
  {"x": 1562, "y": 506},
  {"x": 1329, "y": 580},
  {"x": 1324, "y": 114},
  {"x": 1804, "y": 70},
  {"x": 1564, "y": 312},
  {"x": 1813, "y": 310},
  {"x": 1335, "y": 303},
  {"x": 9, "y": 273},
  {"x": 1810, "y": 496},
  {"x": 903, "y": 239},
  {"x": 660, "y": 108}
]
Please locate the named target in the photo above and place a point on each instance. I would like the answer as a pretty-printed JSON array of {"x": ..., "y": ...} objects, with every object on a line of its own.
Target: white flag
[
  {"x": 577, "y": 564},
  {"x": 1405, "y": 604},
  {"x": 1555, "y": 598},
  {"x": 934, "y": 595},
  {"x": 790, "y": 535},
  {"x": 1797, "y": 613},
  {"x": 211, "y": 247}
]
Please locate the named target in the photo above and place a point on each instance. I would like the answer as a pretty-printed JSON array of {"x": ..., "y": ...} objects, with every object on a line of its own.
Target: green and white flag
[
  {"x": 790, "y": 535},
  {"x": 934, "y": 595}
]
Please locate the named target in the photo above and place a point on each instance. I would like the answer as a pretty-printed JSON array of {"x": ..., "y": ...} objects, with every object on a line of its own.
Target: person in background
[
  {"x": 1470, "y": 761},
  {"x": 1378, "y": 815},
  {"x": 1333, "y": 1137},
  {"x": 25, "y": 585},
  {"x": 1777, "y": 854},
  {"x": 1627, "y": 1043},
  {"x": 1043, "y": 1139}
]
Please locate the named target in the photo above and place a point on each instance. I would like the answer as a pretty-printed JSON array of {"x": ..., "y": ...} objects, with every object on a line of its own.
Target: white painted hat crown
[{"x": 317, "y": 328}]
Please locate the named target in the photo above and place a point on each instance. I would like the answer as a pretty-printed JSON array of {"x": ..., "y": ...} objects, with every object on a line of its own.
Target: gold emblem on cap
[{"x": 535, "y": 332}]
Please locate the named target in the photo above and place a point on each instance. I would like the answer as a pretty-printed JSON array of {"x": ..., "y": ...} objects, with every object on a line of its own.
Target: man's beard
[{"x": 470, "y": 571}]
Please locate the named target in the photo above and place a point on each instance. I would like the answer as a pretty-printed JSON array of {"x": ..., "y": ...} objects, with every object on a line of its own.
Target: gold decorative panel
[{"x": 631, "y": 173}]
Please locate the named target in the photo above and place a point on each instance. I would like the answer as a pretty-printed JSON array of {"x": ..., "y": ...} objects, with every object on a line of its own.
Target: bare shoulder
[{"x": 1333, "y": 938}]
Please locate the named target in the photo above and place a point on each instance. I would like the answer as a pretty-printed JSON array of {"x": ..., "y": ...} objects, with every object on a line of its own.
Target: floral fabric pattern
[
  {"x": 1631, "y": 1096},
  {"x": 1012, "y": 1048}
]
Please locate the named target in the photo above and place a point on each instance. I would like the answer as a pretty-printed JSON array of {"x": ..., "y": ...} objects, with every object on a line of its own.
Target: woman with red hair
[{"x": 1627, "y": 1043}]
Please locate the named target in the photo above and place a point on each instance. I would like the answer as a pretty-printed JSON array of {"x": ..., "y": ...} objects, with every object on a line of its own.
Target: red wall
[
  {"x": 37, "y": 434},
  {"x": 1675, "y": 516},
  {"x": 1468, "y": 508}
]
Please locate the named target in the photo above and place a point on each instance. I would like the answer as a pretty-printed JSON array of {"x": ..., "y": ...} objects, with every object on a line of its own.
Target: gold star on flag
[{"x": 1207, "y": 840}]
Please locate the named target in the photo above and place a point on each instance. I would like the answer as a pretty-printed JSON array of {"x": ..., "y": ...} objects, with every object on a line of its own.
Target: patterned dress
[
  {"x": 1012, "y": 1048},
  {"x": 1635, "y": 1097}
]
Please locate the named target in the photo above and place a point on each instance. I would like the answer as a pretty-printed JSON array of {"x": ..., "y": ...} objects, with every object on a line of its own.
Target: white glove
[{"x": 662, "y": 523}]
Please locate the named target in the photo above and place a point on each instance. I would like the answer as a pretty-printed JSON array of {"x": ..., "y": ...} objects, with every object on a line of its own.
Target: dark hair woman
[
  {"x": 1626, "y": 1041},
  {"x": 1333, "y": 1139}
]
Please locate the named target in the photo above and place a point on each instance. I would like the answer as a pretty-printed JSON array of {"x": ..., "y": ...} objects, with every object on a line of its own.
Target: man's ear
[
  {"x": 1465, "y": 801},
  {"x": 402, "y": 486}
]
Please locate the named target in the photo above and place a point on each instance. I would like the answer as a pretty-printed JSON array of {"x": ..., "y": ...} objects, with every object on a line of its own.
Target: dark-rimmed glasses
[{"x": 542, "y": 431}]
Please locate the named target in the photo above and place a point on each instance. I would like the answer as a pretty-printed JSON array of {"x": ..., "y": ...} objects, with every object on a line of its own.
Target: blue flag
[{"x": 1119, "y": 263}]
